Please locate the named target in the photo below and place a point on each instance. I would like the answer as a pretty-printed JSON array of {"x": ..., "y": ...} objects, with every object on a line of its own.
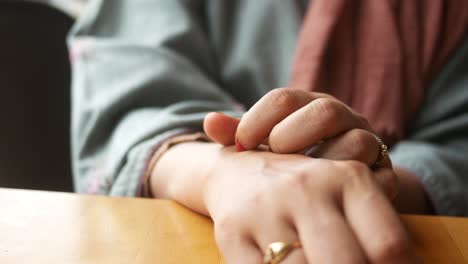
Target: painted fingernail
[{"x": 239, "y": 146}]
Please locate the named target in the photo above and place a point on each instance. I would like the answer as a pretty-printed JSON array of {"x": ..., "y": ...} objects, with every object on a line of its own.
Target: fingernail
[{"x": 239, "y": 146}]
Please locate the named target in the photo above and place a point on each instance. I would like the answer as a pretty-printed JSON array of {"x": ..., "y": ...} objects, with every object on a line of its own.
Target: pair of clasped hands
[
  {"x": 333, "y": 204},
  {"x": 330, "y": 200}
]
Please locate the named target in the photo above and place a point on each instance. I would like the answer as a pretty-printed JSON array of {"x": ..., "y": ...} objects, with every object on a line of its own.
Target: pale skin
[{"x": 334, "y": 204}]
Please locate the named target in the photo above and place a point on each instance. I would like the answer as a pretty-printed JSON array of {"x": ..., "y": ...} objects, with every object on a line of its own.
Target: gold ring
[
  {"x": 383, "y": 153},
  {"x": 278, "y": 251}
]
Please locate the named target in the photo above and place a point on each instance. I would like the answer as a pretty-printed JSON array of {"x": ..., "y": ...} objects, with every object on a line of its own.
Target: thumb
[{"x": 221, "y": 128}]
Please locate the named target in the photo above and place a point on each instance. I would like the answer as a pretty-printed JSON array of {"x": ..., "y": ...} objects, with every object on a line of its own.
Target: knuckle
[
  {"x": 324, "y": 95},
  {"x": 297, "y": 181},
  {"x": 283, "y": 98},
  {"x": 257, "y": 199},
  {"x": 227, "y": 229},
  {"x": 359, "y": 137},
  {"x": 395, "y": 248},
  {"x": 362, "y": 121},
  {"x": 223, "y": 224},
  {"x": 359, "y": 142},
  {"x": 358, "y": 175},
  {"x": 329, "y": 109},
  {"x": 357, "y": 168}
]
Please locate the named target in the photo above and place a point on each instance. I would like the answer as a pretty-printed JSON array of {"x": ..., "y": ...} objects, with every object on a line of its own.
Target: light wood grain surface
[{"x": 42, "y": 227}]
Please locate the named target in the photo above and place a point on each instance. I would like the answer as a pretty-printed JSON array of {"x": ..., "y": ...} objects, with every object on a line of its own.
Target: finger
[
  {"x": 388, "y": 182},
  {"x": 258, "y": 122},
  {"x": 295, "y": 257},
  {"x": 354, "y": 144},
  {"x": 375, "y": 223},
  {"x": 326, "y": 237},
  {"x": 220, "y": 128},
  {"x": 321, "y": 119},
  {"x": 278, "y": 230},
  {"x": 238, "y": 248}
]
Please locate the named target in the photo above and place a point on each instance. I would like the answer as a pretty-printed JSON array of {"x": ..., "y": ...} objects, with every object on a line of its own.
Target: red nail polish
[{"x": 239, "y": 146}]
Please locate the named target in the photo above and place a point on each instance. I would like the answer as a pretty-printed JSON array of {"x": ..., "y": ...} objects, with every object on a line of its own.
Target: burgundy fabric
[{"x": 378, "y": 56}]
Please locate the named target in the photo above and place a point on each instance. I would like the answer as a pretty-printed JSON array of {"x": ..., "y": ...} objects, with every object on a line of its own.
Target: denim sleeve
[
  {"x": 437, "y": 148},
  {"x": 142, "y": 73}
]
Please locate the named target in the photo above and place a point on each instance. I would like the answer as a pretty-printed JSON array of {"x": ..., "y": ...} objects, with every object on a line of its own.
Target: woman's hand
[
  {"x": 293, "y": 121},
  {"x": 336, "y": 209}
]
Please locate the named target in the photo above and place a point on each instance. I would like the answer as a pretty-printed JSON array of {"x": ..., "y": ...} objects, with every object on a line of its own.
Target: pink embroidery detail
[
  {"x": 93, "y": 187},
  {"x": 80, "y": 48}
]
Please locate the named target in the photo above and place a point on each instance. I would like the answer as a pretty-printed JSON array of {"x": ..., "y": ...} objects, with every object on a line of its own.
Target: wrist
[
  {"x": 180, "y": 174},
  {"x": 216, "y": 175}
]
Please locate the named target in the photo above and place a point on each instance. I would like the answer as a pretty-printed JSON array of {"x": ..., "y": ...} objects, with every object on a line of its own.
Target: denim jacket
[{"x": 146, "y": 70}]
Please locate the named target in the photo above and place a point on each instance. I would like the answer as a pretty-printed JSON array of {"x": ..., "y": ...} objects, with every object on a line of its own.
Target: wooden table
[{"x": 42, "y": 227}]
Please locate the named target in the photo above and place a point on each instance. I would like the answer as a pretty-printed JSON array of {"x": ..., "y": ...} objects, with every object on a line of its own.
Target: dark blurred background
[{"x": 34, "y": 97}]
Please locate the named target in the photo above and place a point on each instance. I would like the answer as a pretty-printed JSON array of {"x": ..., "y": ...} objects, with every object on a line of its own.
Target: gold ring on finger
[
  {"x": 383, "y": 153},
  {"x": 277, "y": 251}
]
